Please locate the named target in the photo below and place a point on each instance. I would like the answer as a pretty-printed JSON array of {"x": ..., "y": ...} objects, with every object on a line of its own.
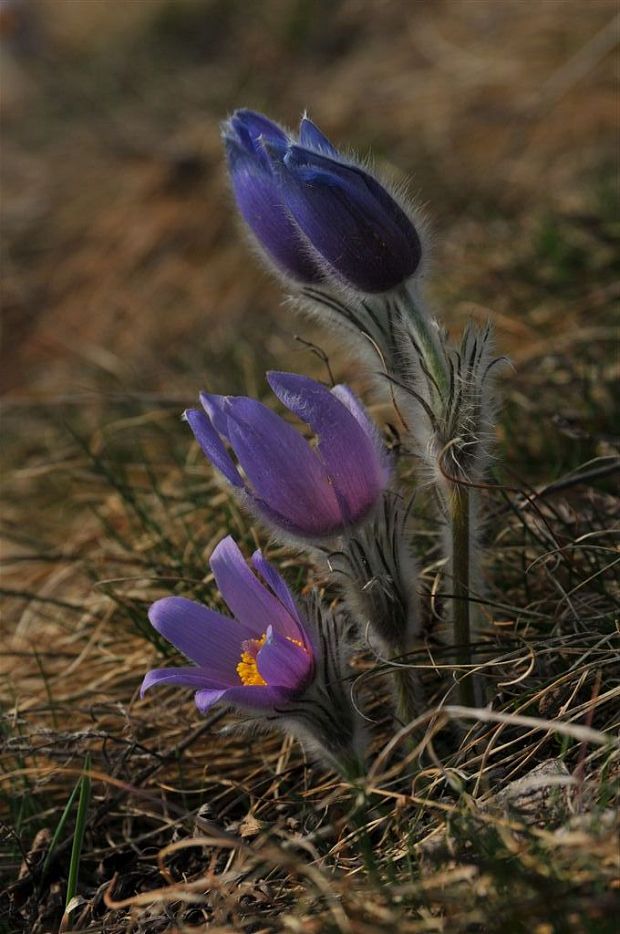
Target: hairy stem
[
  {"x": 428, "y": 340},
  {"x": 407, "y": 695},
  {"x": 460, "y": 532}
]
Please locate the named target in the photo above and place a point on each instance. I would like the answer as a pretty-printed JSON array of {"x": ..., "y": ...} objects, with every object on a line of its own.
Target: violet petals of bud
[
  {"x": 311, "y": 493},
  {"x": 315, "y": 213},
  {"x": 352, "y": 222},
  {"x": 256, "y": 192}
]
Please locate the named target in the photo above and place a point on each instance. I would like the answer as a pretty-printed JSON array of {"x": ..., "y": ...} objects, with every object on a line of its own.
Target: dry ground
[{"x": 126, "y": 288}]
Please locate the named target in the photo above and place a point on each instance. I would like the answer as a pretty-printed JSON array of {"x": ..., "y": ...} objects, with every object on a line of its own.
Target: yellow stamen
[{"x": 247, "y": 669}]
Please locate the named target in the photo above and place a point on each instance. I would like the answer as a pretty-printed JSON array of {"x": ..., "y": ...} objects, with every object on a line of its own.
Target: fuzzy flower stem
[
  {"x": 459, "y": 522},
  {"x": 407, "y": 695},
  {"x": 351, "y": 768},
  {"x": 378, "y": 577},
  {"x": 428, "y": 338},
  {"x": 360, "y": 817}
]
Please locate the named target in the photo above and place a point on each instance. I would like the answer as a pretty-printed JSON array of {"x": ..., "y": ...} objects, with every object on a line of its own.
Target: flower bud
[
  {"x": 316, "y": 213},
  {"x": 310, "y": 493}
]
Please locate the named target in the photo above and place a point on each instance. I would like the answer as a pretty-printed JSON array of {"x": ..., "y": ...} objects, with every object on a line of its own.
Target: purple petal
[
  {"x": 258, "y": 198},
  {"x": 366, "y": 185},
  {"x": 251, "y": 127},
  {"x": 251, "y": 697},
  {"x": 186, "y": 677},
  {"x": 349, "y": 219},
  {"x": 313, "y": 526},
  {"x": 281, "y": 466},
  {"x": 353, "y": 461},
  {"x": 311, "y": 136},
  {"x": 358, "y": 411},
  {"x": 212, "y": 445},
  {"x": 277, "y": 584},
  {"x": 207, "y": 698},
  {"x": 217, "y": 408},
  {"x": 282, "y": 663},
  {"x": 211, "y": 640},
  {"x": 247, "y": 598}
]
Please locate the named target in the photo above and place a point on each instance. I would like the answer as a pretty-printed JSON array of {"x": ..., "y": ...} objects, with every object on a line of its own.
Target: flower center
[{"x": 247, "y": 669}]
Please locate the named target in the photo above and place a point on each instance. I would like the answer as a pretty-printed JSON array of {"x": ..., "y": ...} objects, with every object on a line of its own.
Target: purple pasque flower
[
  {"x": 310, "y": 492},
  {"x": 260, "y": 659},
  {"x": 309, "y": 205},
  {"x": 269, "y": 659}
]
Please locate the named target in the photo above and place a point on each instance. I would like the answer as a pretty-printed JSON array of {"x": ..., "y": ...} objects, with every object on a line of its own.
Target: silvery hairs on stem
[
  {"x": 326, "y": 718},
  {"x": 455, "y": 399},
  {"x": 378, "y": 578},
  {"x": 377, "y": 575}
]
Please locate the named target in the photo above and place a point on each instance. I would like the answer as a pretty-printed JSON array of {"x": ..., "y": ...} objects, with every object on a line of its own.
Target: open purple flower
[
  {"x": 315, "y": 212},
  {"x": 284, "y": 663},
  {"x": 309, "y": 492},
  {"x": 261, "y": 659}
]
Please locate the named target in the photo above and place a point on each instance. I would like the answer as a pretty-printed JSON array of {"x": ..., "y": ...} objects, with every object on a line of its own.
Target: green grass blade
[
  {"x": 80, "y": 827},
  {"x": 61, "y": 826}
]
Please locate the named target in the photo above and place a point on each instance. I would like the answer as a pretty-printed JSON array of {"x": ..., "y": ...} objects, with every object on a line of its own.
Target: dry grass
[{"x": 126, "y": 288}]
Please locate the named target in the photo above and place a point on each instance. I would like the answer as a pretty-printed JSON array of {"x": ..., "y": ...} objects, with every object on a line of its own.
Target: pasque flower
[
  {"x": 309, "y": 492},
  {"x": 260, "y": 659},
  {"x": 275, "y": 659},
  {"x": 316, "y": 213}
]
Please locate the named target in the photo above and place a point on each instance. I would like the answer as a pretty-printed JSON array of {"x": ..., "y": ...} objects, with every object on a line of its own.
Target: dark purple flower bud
[
  {"x": 311, "y": 493},
  {"x": 334, "y": 217}
]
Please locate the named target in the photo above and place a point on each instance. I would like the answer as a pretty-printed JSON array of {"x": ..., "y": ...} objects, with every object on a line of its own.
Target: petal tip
[{"x": 159, "y": 611}]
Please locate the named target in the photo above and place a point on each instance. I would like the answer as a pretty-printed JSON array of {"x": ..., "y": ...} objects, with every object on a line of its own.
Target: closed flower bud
[{"x": 317, "y": 213}]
